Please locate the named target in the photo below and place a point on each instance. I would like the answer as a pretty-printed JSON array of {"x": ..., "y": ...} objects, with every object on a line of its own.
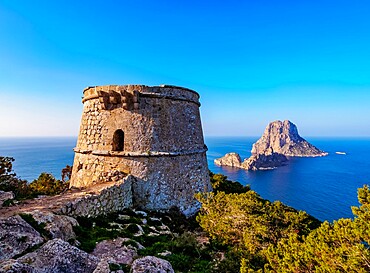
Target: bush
[
  {"x": 9, "y": 180},
  {"x": 47, "y": 184},
  {"x": 220, "y": 182}
]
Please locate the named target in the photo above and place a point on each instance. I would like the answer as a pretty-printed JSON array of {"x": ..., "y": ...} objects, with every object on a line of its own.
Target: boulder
[
  {"x": 151, "y": 264},
  {"x": 13, "y": 266},
  {"x": 283, "y": 138},
  {"x": 230, "y": 159},
  {"x": 116, "y": 251},
  {"x": 5, "y": 195},
  {"x": 59, "y": 226},
  {"x": 104, "y": 267},
  {"x": 58, "y": 256},
  {"x": 16, "y": 237}
]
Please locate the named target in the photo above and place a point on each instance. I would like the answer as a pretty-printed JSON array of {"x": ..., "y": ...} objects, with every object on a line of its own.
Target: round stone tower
[{"x": 153, "y": 133}]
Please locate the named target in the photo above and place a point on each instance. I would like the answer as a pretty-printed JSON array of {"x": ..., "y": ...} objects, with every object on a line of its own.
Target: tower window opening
[{"x": 118, "y": 140}]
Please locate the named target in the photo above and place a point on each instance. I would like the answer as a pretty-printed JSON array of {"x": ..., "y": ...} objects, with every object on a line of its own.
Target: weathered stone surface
[
  {"x": 13, "y": 266},
  {"x": 115, "y": 251},
  {"x": 58, "y": 256},
  {"x": 16, "y": 236},
  {"x": 153, "y": 133},
  {"x": 5, "y": 195},
  {"x": 283, "y": 138},
  {"x": 111, "y": 199},
  {"x": 150, "y": 264},
  {"x": 59, "y": 226},
  {"x": 230, "y": 159}
]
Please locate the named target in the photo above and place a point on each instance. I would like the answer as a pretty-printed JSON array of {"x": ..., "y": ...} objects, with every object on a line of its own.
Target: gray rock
[
  {"x": 13, "y": 266},
  {"x": 5, "y": 195},
  {"x": 59, "y": 226},
  {"x": 58, "y": 256},
  {"x": 115, "y": 251},
  {"x": 283, "y": 138},
  {"x": 230, "y": 159},
  {"x": 16, "y": 236},
  {"x": 150, "y": 264}
]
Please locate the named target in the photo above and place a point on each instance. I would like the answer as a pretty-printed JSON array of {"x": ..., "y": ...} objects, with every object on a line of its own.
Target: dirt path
[{"x": 52, "y": 203}]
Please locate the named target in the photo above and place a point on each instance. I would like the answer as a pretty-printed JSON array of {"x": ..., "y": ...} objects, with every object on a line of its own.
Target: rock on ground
[
  {"x": 115, "y": 251},
  {"x": 5, "y": 195},
  {"x": 59, "y": 226},
  {"x": 58, "y": 256},
  {"x": 16, "y": 236},
  {"x": 13, "y": 266},
  {"x": 151, "y": 264}
]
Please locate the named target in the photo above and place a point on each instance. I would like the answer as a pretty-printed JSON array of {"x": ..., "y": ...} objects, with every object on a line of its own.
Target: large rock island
[
  {"x": 279, "y": 141},
  {"x": 283, "y": 138}
]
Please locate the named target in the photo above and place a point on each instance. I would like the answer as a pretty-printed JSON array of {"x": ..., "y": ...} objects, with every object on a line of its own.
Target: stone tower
[{"x": 153, "y": 133}]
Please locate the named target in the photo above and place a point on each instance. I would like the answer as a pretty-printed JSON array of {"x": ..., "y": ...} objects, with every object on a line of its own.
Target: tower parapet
[{"x": 151, "y": 132}]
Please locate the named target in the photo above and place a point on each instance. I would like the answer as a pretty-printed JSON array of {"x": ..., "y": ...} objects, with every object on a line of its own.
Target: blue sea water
[{"x": 325, "y": 187}]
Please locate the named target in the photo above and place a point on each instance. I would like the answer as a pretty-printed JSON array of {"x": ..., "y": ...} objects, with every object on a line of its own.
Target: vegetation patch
[{"x": 33, "y": 223}]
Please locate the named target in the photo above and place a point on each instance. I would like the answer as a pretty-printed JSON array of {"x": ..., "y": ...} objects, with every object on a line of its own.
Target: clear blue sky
[{"x": 251, "y": 61}]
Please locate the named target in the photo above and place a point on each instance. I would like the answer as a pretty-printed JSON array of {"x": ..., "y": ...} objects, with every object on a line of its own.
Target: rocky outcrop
[
  {"x": 230, "y": 159},
  {"x": 151, "y": 264},
  {"x": 279, "y": 141},
  {"x": 264, "y": 161},
  {"x": 283, "y": 138},
  {"x": 16, "y": 237},
  {"x": 59, "y": 226},
  {"x": 5, "y": 195},
  {"x": 58, "y": 256}
]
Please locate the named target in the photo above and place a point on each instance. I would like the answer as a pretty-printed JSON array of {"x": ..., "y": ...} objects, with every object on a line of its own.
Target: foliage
[
  {"x": 186, "y": 253},
  {"x": 250, "y": 224},
  {"x": 33, "y": 223},
  {"x": 339, "y": 247},
  {"x": 66, "y": 173},
  {"x": 220, "y": 182},
  {"x": 9, "y": 180},
  {"x": 46, "y": 184}
]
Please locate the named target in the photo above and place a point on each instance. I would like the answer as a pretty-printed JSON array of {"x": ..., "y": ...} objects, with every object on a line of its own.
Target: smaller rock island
[{"x": 279, "y": 141}]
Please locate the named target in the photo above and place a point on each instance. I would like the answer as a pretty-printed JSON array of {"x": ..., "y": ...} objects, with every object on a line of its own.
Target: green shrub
[
  {"x": 47, "y": 184},
  {"x": 220, "y": 182}
]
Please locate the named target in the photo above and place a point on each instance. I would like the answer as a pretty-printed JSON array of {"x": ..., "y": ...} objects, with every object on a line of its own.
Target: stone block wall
[{"x": 112, "y": 199}]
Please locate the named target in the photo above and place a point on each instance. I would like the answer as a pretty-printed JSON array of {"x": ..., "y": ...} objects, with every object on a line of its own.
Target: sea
[{"x": 325, "y": 187}]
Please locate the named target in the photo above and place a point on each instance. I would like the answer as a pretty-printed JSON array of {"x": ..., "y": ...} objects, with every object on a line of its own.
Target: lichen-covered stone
[
  {"x": 13, "y": 266},
  {"x": 151, "y": 264},
  {"x": 58, "y": 256},
  {"x": 59, "y": 226},
  {"x": 16, "y": 237},
  {"x": 115, "y": 251}
]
